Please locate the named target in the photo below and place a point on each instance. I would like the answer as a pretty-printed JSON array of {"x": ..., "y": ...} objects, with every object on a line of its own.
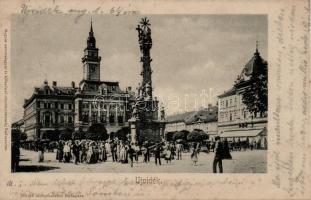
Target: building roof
[
  {"x": 227, "y": 93},
  {"x": 109, "y": 83},
  {"x": 46, "y": 90},
  {"x": 178, "y": 117},
  {"x": 252, "y": 66},
  {"x": 209, "y": 114}
]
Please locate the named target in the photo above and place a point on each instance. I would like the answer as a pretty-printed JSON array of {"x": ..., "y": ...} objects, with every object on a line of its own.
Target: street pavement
[{"x": 242, "y": 162}]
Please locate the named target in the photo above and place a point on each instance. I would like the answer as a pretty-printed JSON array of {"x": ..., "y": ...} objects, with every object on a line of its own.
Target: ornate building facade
[
  {"x": 234, "y": 119},
  {"x": 55, "y": 108},
  {"x": 49, "y": 108},
  {"x": 99, "y": 101}
]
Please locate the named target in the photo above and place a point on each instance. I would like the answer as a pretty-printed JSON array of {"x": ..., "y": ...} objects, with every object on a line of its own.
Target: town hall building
[{"x": 53, "y": 108}]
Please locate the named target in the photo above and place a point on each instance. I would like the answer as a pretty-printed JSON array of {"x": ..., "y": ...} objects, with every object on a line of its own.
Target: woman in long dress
[
  {"x": 122, "y": 153},
  {"x": 168, "y": 154},
  {"x": 100, "y": 151},
  {"x": 194, "y": 155},
  {"x": 89, "y": 154},
  {"x": 104, "y": 153},
  {"x": 40, "y": 152},
  {"x": 227, "y": 154},
  {"x": 67, "y": 152}
]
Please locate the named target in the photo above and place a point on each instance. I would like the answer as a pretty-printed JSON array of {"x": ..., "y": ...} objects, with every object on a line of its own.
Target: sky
[{"x": 195, "y": 57}]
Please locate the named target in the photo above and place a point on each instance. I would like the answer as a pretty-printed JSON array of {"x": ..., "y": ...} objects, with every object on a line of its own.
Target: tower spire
[
  {"x": 256, "y": 51},
  {"x": 91, "y": 29},
  {"x": 91, "y": 42}
]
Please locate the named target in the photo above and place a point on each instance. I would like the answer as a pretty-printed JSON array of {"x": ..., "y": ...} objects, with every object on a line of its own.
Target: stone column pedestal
[{"x": 133, "y": 127}]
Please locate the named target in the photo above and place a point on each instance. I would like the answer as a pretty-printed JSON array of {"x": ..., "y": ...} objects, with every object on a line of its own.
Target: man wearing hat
[{"x": 218, "y": 155}]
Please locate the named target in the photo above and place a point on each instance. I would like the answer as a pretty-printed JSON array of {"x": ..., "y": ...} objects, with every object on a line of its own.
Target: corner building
[{"x": 234, "y": 120}]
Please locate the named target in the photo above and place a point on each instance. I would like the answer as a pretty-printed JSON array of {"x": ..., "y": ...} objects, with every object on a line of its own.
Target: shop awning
[{"x": 243, "y": 133}]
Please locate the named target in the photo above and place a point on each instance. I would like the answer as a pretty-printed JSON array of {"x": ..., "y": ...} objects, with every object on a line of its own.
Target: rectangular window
[
  {"x": 120, "y": 119},
  {"x": 94, "y": 116},
  {"x": 61, "y": 119},
  {"x": 102, "y": 117},
  {"x": 111, "y": 118},
  {"x": 85, "y": 117},
  {"x": 70, "y": 106},
  {"x": 70, "y": 119}
]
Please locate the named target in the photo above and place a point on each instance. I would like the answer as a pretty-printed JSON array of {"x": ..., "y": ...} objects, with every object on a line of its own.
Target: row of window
[
  {"x": 47, "y": 119},
  {"x": 62, "y": 106},
  {"x": 101, "y": 105},
  {"x": 102, "y": 118},
  {"x": 228, "y": 102},
  {"x": 232, "y": 115}
]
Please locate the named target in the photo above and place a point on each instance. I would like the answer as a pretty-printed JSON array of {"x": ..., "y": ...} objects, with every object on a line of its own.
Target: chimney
[
  {"x": 73, "y": 84},
  {"x": 54, "y": 83}
]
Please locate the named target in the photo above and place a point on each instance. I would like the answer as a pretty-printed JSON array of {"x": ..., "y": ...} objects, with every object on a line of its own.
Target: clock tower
[{"x": 91, "y": 60}]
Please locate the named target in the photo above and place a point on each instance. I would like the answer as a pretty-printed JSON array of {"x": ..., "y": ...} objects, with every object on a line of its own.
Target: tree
[
  {"x": 197, "y": 135},
  {"x": 122, "y": 133},
  {"x": 50, "y": 135},
  {"x": 78, "y": 135},
  {"x": 180, "y": 135},
  {"x": 255, "y": 95},
  {"x": 169, "y": 135},
  {"x": 97, "y": 131},
  {"x": 66, "y": 134}
]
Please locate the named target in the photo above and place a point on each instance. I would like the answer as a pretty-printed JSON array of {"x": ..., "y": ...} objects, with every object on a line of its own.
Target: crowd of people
[
  {"x": 88, "y": 151},
  {"x": 119, "y": 151}
]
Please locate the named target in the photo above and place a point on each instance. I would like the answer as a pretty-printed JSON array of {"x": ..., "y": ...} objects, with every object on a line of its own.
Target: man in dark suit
[
  {"x": 218, "y": 155},
  {"x": 157, "y": 154}
]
